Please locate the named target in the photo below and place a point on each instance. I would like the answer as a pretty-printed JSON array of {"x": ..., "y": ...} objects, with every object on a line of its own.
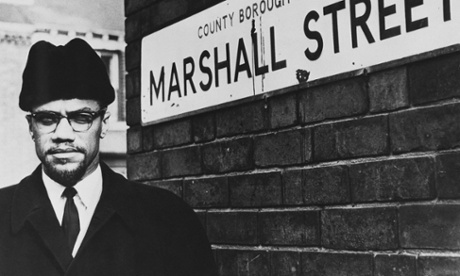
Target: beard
[
  {"x": 66, "y": 177},
  {"x": 62, "y": 171}
]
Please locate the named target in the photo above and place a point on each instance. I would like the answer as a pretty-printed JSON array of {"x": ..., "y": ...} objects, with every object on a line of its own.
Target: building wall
[
  {"x": 18, "y": 157},
  {"x": 357, "y": 174}
]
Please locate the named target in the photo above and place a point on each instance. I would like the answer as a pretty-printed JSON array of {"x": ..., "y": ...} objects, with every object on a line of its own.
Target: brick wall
[{"x": 358, "y": 174}]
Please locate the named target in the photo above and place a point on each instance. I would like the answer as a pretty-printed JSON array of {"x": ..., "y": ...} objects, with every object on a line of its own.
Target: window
[{"x": 113, "y": 61}]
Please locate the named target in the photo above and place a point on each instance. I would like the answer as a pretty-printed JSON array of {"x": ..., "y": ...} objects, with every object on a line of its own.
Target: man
[{"x": 73, "y": 215}]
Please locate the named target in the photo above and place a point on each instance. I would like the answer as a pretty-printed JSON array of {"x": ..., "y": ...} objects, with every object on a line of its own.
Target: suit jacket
[{"x": 135, "y": 230}]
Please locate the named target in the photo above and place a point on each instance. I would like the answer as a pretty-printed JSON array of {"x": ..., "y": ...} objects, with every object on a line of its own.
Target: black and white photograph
[{"x": 230, "y": 138}]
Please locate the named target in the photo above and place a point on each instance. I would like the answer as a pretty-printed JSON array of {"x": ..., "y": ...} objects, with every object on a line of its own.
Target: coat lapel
[
  {"x": 101, "y": 216},
  {"x": 113, "y": 201},
  {"x": 120, "y": 199},
  {"x": 31, "y": 205}
]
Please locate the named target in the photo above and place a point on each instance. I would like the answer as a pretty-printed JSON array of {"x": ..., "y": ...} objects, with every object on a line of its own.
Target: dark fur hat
[{"x": 73, "y": 71}]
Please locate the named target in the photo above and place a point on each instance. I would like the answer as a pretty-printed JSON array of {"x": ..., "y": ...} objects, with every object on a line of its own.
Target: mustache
[{"x": 62, "y": 149}]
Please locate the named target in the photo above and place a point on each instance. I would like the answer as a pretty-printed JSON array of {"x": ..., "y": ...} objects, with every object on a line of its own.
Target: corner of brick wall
[{"x": 356, "y": 176}]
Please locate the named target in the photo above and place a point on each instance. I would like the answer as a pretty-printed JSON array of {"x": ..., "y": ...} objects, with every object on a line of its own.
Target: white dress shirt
[{"x": 89, "y": 192}]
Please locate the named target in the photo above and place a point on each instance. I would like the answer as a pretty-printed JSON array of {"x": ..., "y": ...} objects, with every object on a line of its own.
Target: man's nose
[{"x": 63, "y": 131}]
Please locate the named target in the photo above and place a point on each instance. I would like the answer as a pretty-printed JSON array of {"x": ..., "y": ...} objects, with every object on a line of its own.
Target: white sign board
[{"x": 240, "y": 48}]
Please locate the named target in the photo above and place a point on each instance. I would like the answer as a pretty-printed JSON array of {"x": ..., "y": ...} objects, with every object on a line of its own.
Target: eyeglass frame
[{"x": 94, "y": 115}]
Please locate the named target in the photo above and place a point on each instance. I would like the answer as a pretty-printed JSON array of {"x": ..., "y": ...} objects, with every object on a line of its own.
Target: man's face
[{"x": 68, "y": 155}]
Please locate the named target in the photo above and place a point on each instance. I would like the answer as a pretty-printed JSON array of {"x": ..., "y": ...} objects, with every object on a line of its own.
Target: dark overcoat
[{"x": 136, "y": 230}]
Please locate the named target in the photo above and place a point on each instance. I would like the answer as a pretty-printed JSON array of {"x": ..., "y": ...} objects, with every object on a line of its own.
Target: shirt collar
[{"x": 88, "y": 189}]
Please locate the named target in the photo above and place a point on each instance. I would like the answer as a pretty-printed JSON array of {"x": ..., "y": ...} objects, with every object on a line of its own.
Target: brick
[
  {"x": 133, "y": 84},
  {"x": 299, "y": 228},
  {"x": 200, "y": 5},
  {"x": 133, "y": 26},
  {"x": 391, "y": 180},
  {"x": 316, "y": 186},
  {"x": 174, "y": 186},
  {"x": 181, "y": 162},
  {"x": 174, "y": 133},
  {"x": 147, "y": 138},
  {"x": 135, "y": 5},
  {"x": 448, "y": 175},
  {"x": 430, "y": 226},
  {"x": 255, "y": 190},
  {"x": 241, "y": 119},
  {"x": 164, "y": 13},
  {"x": 149, "y": 21},
  {"x": 335, "y": 100},
  {"x": 327, "y": 264},
  {"x": 206, "y": 192},
  {"x": 433, "y": 128},
  {"x": 438, "y": 266},
  {"x": 233, "y": 155},
  {"x": 226, "y": 261},
  {"x": 248, "y": 263},
  {"x": 285, "y": 263},
  {"x": 133, "y": 112},
  {"x": 326, "y": 147},
  {"x": 283, "y": 148},
  {"x": 388, "y": 90},
  {"x": 134, "y": 136},
  {"x": 204, "y": 127},
  {"x": 292, "y": 181},
  {"x": 327, "y": 185},
  {"x": 133, "y": 55},
  {"x": 435, "y": 79},
  {"x": 360, "y": 229},
  {"x": 356, "y": 138},
  {"x": 232, "y": 227},
  {"x": 395, "y": 265},
  {"x": 202, "y": 217},
  {"x": 283, "y": 111},
  {"x": 144, "y": 166}
]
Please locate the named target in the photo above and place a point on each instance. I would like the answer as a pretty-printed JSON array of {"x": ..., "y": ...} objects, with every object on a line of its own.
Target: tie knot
[{"x": 69, "y": 192}]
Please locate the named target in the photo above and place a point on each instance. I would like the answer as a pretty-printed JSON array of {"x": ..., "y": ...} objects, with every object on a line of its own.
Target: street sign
[{"x": 240, "y": 48}]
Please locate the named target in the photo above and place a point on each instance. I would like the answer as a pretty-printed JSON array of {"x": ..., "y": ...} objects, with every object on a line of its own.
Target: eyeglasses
[{"x": 47, "y": 121}]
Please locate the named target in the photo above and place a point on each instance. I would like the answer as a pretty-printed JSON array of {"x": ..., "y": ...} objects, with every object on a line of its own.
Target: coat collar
[
  {"x": 31, "y": 204},
  {"x": 31, "y": 197}
]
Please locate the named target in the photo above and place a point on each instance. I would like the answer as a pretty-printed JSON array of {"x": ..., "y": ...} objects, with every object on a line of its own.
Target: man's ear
[
  {"x": 105, "y": 124},
  {"x": 31, "y": 131}
]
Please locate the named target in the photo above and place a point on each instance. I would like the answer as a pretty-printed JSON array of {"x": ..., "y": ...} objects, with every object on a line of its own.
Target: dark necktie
[{"x": 70, "y": 221}]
